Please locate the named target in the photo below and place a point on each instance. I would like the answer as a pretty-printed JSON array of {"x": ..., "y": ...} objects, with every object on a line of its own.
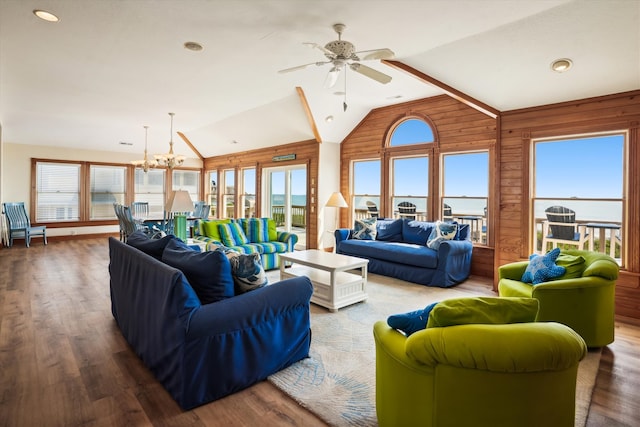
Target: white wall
[
  {"x": 328, "y": 182},
  {"x": 16, "y": 175}
]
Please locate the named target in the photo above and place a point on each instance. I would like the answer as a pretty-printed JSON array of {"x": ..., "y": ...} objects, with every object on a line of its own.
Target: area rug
[{"x": 337, "y": 381}]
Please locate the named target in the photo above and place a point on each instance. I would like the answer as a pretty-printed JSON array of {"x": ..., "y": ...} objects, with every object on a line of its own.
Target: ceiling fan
[{"x": 341, "y": 54}]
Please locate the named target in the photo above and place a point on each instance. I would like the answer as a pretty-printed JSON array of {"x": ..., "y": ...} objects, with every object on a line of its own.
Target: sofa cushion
[
  {"x": 153, "y": 247},
  {"x": 210, "y": 228},
  {"x": 441, "y": 231},
  {"x": 483, "y": 310},
  {"x": 257, "y": 230},
  {"x": 401, "y": 253},
  {"x": 389, "y": 230},
  {"x": 232, "y": 234},
  {"x": 271, "y": 247},
  {"x": 365, "y": 229},
  {"x": 542, "y": 268},
  {"x": 411, "y": 322},
  {"x": 417, "y": 232},
  {"x": 573, "y": 264},
  {"x": 209, "y": 273}
]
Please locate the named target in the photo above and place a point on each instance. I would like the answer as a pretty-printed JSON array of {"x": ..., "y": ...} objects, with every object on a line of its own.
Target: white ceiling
[{"x": 109, "y": 67}]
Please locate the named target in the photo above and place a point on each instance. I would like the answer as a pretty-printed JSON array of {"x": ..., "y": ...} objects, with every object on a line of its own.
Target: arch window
[{"x": 411, "y": 131}]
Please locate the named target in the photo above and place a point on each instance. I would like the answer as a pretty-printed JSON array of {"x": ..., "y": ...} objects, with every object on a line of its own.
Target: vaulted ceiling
[{"x": 109, "y": 67}]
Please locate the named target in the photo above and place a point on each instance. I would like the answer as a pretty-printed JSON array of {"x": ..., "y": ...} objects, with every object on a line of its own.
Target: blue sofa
[
  {"x": 400, "y": 250},
  {"x": 198, "y": 352}
]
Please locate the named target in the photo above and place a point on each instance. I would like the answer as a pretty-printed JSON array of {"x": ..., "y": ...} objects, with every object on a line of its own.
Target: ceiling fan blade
[
  {"x": 367, "y": 55},
  {"x": 332, "y": 77},
  {"x": 301, "y": 67},
  {"x": 370, "y": 72},
  {"x": 324, "y": 50}
]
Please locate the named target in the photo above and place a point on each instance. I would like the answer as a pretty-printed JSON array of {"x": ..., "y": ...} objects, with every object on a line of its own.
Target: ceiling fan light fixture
[
  {"x": 46, "y": 16},
  {"x": 561, "y": 65}
]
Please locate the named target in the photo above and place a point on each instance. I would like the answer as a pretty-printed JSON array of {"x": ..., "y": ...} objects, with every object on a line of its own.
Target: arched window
[{"x": 411, "y": 131}]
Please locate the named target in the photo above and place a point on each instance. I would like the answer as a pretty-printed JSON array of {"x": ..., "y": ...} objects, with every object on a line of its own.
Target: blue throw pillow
[
  {"x": 441, "y": 232},
  {"x": 543, "y": 267},
  {"x": 365, "y": 229},
  {"x": 389, "y": 230},
  {"x": 209, "y": 273},
  {"x": 153, "y": 247},
  {"x": 411, "y": 322},
  {"x": 232, "y": 234}
]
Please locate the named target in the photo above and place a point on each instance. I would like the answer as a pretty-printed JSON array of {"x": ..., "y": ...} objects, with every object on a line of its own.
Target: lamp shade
[
  {"x": 180, "y": 201},
  {"x": 337, "y": 201}
]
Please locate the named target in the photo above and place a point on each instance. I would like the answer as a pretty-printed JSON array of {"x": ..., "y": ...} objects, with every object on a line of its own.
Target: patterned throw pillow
[
  {"x": 365, "y": 229},
  {"x": 247, "y": 271},
  {"x": 441, "y": 231},
  {"x": 542, "y": 268},
  {"x": 232, "y": 234}
]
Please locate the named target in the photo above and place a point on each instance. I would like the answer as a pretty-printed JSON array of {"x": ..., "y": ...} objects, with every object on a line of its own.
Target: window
[
  {"x": 149, "y": 187},
  {"x": 584, "y": 175},
  {"x": 248, "y": 193},
  {"x": 366, "y": 189},
  {"x": 228, "y": 195},
  {"x": 465, "y": 190},
  {"x": 410, "y": 187},
  {"x": 187, "y": 180},
  {"x": 411, "y": 131},
  {"x": 107, "y": 186},
  {"x": 213, "y": 192},
  {"x": 57, "y": 192}
]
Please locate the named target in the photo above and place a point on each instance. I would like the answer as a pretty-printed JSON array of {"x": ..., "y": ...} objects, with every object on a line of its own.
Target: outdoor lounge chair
[{"x": 561, "y": 227}]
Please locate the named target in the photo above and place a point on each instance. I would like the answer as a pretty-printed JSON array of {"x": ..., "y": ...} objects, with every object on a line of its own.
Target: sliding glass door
[{"x": 285, "y": 199}]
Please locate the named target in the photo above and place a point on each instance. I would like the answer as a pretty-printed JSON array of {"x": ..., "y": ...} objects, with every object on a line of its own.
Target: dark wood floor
[{"x": 63, "y": 361}]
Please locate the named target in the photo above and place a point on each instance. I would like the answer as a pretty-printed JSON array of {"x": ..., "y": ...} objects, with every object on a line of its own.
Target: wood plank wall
[
  {"x": 457, "y": 127},
  {"x": 307, "y": 153},
  {"x": 518, "y": 128}
]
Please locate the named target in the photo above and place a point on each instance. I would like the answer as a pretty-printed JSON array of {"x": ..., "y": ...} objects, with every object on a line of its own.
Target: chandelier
[
  {"x": 169, "y": 159},
  {"x": 145, "y": 164}
]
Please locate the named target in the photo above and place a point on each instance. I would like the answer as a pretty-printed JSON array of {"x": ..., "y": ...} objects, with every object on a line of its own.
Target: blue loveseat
[
  {"x": 400, "y": 250},
  {"x": 198, "y": 352}
]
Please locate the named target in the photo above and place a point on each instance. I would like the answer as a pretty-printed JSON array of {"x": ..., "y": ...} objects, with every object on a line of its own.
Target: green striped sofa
[{"x": 248, "y": 235}]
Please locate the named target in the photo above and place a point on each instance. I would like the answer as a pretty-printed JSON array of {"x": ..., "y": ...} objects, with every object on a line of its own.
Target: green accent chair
[
  {"x": 518, "y": 374},
  {"x": 585, "y": 303}
]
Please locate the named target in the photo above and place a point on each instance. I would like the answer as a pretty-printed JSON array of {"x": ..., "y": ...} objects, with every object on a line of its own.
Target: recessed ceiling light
[
  {"x": 46, "y": 16},
  {"x": 196, "y": 47},
  {"x": 561, "y": 65},
  {"x": 328, "y": 119}
]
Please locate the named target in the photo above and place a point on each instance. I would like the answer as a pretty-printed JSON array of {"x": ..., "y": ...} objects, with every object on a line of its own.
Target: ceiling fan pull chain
[{"x": 344, "y": 103}]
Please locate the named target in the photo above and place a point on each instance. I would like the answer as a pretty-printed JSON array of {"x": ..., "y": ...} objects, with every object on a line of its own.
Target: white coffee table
[{"x": 336, "y": 284}]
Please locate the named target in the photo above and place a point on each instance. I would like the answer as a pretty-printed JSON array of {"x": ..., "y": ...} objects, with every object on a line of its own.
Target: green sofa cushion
[
  {"x": 573, "y": 264},
  {"x": 483, "y": 310}
]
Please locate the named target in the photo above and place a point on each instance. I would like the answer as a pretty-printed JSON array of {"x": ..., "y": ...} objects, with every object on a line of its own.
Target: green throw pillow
[
  {"x": 573, "y": 264},
  {"x": 210, "y": 228},
  {"x": 271, "y": 229},
  {"x": 483, "y": 310}
]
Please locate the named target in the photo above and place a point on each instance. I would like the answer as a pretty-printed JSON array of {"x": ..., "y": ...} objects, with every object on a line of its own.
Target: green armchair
[
  {"x": 520, "y": 374},
  {"x": 585, "y": 303}
]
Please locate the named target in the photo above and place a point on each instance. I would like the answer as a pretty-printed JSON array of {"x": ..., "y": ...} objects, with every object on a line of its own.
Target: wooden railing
[{"x": 298, "y": 215}]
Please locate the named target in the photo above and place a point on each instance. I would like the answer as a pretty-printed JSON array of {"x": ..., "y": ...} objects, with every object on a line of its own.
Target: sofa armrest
[
  {"x": 249, "y": 309},
  {"x": 513, "y": 271},
  {"x": 342, "y": 234},
  {"x": 289, "y": 238}
]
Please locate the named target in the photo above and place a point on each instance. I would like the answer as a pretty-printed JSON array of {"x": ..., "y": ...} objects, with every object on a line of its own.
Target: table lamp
[{"x": 180, "y": 204}]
